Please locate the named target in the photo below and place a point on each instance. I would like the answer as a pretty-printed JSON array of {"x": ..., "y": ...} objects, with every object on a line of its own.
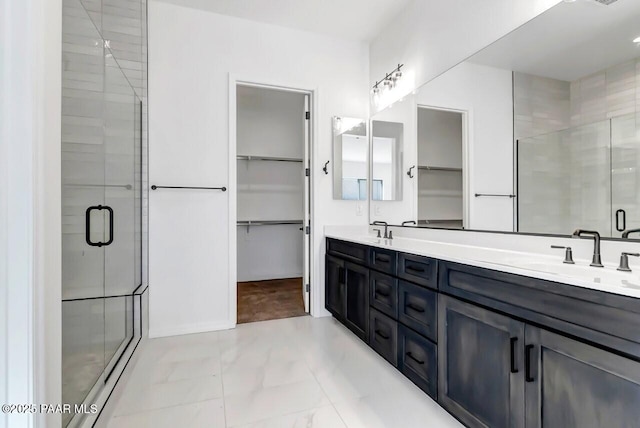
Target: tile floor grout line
[
  {"x": 325, "y": 392},
  {"x": 224, "y": 397},
  {"x": 155, "y": 409},
  {"x": 114, "y": 416}
]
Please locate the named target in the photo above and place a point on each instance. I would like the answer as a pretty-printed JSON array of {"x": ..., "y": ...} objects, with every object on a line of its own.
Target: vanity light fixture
[{"x": 389, "y": 82}]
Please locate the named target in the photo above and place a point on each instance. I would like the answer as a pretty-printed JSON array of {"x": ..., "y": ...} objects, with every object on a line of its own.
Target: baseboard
[
  {"x": 190, "y": 329},
  {"x": 258, "y": 278}
]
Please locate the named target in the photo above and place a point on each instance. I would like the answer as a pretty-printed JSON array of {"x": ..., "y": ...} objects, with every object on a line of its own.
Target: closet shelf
[
  {"x": 440, "y": 193},
  {"x": 438, "y": 168},
  {"x": 436, "y": 221},
  {"x": 267, "y": 222},
  {"x": 267, "y": 158}
]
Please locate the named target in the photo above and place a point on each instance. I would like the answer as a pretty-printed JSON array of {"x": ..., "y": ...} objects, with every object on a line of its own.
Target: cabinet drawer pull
[
  {"x": 414, "y": 269},
  {"x": 382, "y": 335},
  {"x": 514, "y": 368},
  {"x": 382, "y": 259},
  {"x": 410, "y": 355},
  {"x": 415, "y": 307},
  {"x": 527, "y": 363},
  {"x": 382, "y": 293}
]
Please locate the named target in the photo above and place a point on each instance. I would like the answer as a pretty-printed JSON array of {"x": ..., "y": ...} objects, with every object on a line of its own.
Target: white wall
[
  {"x": 485, "y": 93},
  {"x": 430, "y": 36},
  {"x": 30, "y": 82},
  {"x": 191, "y": 53}
]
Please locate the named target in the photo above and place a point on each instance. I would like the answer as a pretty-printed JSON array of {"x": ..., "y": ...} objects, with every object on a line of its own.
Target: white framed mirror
[{"x": 350, "y": 158}]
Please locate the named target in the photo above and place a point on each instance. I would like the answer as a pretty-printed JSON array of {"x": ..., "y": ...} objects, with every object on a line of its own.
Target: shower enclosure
[
  {"x": 101, "y": 207},
  {"x": 586, "y": 177}
]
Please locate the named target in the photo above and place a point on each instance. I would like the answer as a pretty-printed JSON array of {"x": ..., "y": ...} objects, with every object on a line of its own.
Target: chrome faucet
[
  {"x": 625, "y": 234},
  {"x": 386, "y": 227},
  {"x": 597, "y": 260}
]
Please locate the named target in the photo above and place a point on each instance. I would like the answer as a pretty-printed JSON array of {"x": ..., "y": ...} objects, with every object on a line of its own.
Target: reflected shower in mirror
[
  {"x": 544, "y": 127},
  {"x": 386, "y": 168},
  {"x": 350, "y": 150}
]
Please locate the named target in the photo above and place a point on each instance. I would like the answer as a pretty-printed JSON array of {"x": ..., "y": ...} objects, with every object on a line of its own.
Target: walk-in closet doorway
[{"x": 272, "y": 201}]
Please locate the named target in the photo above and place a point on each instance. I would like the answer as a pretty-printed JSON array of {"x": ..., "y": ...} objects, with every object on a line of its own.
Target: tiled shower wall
[
  {"x": 564, "y": 171},
  {"x": 544, "y": 105},
  {"x": 541, "y": 105},
  {"x": 123, "y": 26}
]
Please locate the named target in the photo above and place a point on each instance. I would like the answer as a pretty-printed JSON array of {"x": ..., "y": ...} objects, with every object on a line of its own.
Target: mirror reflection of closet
[
  {"x": 350, "y": 149},
  {"x": 440, "y": 173},
  {"x": 386, "y": 168}
]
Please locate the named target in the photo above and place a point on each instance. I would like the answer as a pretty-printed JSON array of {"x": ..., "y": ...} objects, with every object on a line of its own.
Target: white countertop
[{"x": 606, "y": 279}]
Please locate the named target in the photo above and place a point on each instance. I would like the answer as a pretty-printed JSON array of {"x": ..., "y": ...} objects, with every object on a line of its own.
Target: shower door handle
[
  {"x": 88, "y": 225},
  {"x": 624, "y": 220}
]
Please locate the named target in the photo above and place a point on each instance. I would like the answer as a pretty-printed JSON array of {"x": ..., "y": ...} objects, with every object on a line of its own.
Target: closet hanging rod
[
  {"x": 494, "y": 194},
  {"x": 267, "y": 222},
  {"x": 154, "y": 187},
  {"x": 268, "y": 158},
  {"x": 438, "y": 168},
  {"x": 125, "y": 186}
]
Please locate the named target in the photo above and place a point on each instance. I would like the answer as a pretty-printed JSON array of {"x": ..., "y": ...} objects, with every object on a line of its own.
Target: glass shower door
[
  {"x": 83, "y": 196},
  {"x": 120, "y": 194},
  {"x": 101, "y": 194},
  {"x": 564, "y": 180},
  {"x": 625, "y": 173}
]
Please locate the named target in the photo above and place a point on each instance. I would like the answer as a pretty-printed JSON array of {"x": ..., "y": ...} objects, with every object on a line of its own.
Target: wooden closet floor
[{"x": 270, "y": 300}]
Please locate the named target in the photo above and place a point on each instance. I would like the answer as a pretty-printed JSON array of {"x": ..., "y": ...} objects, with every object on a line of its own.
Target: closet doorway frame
[
  {"x": 256, "y": 82},
  {"x": 466, "y": 156}
]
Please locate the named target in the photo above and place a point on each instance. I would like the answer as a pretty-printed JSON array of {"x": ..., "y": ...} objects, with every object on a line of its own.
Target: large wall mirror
[
  {"x": 537, "y": 133},
  {"x": 350, "y": 157},
  {"x": 391, "y": 129}
]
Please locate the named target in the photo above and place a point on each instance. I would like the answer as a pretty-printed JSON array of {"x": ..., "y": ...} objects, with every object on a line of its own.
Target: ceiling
[
  {"x": 569, "y": 41},
  {"x": 358, "y": 20}
]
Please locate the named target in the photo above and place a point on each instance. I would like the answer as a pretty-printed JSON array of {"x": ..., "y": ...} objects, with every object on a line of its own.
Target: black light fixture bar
[{"x": 388, "y": 75}]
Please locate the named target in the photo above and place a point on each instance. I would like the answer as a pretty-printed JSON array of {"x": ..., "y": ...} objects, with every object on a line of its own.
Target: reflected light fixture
[{"x": 637, "y": 40}]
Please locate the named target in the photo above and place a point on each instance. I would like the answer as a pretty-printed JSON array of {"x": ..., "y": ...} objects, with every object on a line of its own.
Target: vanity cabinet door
[
  {"x": 480, "y": 370},
  {"x": 578, "y": 385},
  {"x": 356, "y": 316},
  {"x": 335, "y": 286}
]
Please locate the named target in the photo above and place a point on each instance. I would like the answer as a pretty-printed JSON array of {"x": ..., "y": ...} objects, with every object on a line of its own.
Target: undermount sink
[{"x": 588, "y": 273}]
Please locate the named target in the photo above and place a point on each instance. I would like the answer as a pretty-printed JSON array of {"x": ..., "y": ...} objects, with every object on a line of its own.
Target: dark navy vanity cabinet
[
  {"x": 400, "y": 305},
  {"x": 494, "y": 349}
]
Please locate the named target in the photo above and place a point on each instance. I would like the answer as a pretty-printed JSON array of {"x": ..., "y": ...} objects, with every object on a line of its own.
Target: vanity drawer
[
  {"x": 347, "y": 250},
  {"x": 417, "y": 308},
  {"x": 383, "y": 260},
  {"x": 384, "y": 293},
  {"x": 417, "y": 360},
  {"x": 418, "y": 269},
  {"x": 383, "y": 336},
  {"x": 610, "y": 320}
]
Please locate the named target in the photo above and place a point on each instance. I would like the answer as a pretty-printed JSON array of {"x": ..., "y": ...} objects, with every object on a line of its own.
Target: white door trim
[
  {"x": 256, "y": 81},
  {"x": 30, "y": 208},
  {"x": 466, "y": 156}
]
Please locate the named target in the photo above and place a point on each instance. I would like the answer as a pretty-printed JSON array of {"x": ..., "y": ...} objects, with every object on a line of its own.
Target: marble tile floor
[{"x": 295, "y": 372}]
